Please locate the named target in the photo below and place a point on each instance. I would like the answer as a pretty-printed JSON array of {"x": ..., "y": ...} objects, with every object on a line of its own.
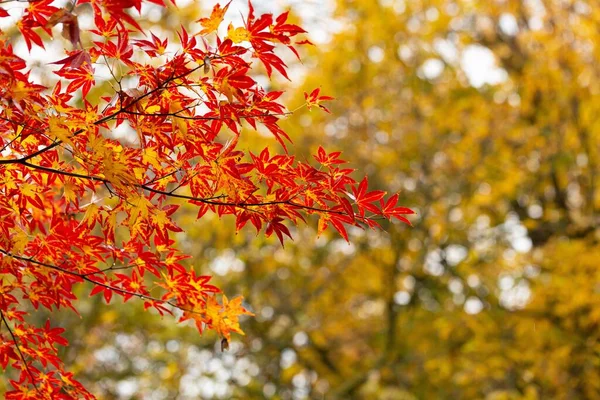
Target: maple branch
[
  {"x": 122, "y": 109},
  {"x": 158, "y": 178},
  {"x": 66, "y": 173},
  {"x": 107, "y": 118},
  {"x": 104, "y": 285},
  {"x": 58, "y": 142},
  {"x": 204, "y": 118},
  {"x": 70, "y": 155},
  {"x": 21, "y": 355},
  {"x": 23, "y": 124},
  {"x": 111, "y": 268},
  {"x": 76, "y": 274},
  {"x": 207, "y": 200},
  {"x": 171, "y": 79},
  {"x": 241, "y": 205}
]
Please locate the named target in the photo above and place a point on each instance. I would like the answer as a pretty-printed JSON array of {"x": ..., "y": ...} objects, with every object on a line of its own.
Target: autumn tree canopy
[
  {"x": 79, "y": 205},
  {"x": 494, "y": 292},
  {"x": 485, "y": 115}
]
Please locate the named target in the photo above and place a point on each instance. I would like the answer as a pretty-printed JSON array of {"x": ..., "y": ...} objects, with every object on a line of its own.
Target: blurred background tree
[{"x": 484, "y": 115}]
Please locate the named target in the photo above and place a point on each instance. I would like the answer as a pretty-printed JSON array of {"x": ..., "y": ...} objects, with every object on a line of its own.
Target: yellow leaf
[
  {"x": 69, "y": 192},
  {"x": 224, "y": 317},
  {"x": 7, "y": 181},
  {"x": 152, "y": 109},
  {"x": 175, "y": 108},
  {"x": 150, "y": 156},
  {"x": 216, "y": 17},
  {"x": 227, "y": 90},
  {"x": 89, "y": 218},
  {"x": 59, "y": 130},
  {"x": 160, "y": 218},
  {"x": 237, "y": 35},
  {"x": 322, "y": 225},
  {"x": 138, "y": 210},
  {"x": 116, "y": 168},
  {"x": 19, "y": 241}
]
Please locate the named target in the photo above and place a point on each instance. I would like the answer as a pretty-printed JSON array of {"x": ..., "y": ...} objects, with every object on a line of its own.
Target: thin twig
[
  {"x": 21, "y": 355},
  {"x": 101, "y": 284}
]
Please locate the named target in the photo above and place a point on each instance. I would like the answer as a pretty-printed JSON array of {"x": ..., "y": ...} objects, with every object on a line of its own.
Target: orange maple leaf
[
  {"x": 216, "y": 17},
  {"x": 224, "y": 318}
]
